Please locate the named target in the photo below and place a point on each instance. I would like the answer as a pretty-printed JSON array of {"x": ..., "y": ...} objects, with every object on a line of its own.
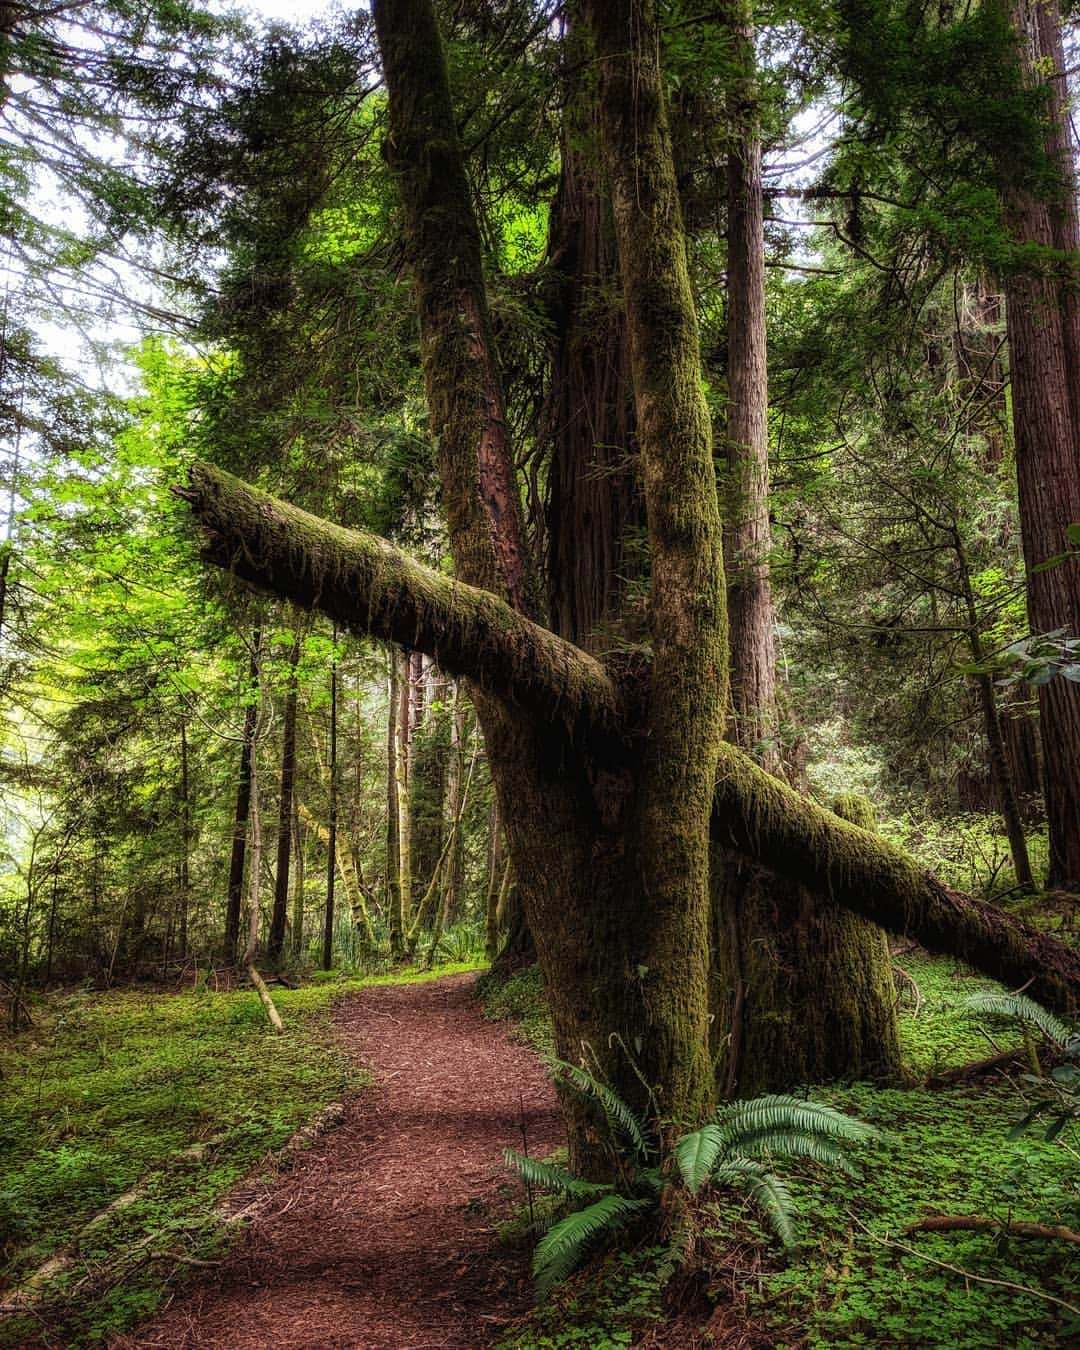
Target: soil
[{"x": 383, "y": 1234}]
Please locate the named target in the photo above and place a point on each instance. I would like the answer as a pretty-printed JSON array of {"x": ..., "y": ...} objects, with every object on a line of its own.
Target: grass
[
  {"x": 851, "y": 1283},
  {"x": 160, "y": 1102}
]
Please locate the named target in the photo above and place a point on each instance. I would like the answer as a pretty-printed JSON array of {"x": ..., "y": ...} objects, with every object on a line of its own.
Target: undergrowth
[
  {"x": 859, "y": 1278},
  {"x": 155, "y": 1104}
]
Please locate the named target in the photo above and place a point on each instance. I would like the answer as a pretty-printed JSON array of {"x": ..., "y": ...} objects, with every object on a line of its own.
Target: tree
[
  {"x": 611, "y": 772},
  {"x": 1043, "y": 316}
]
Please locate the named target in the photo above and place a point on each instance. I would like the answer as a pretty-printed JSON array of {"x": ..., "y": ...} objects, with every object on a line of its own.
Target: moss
[
  {"x": 871, "y": 877},
  {"x": 373, "y": 588}
]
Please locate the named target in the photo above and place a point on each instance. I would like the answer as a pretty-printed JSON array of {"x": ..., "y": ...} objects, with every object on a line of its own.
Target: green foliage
[
  {"x": 1055, "y": 1094},
  {"x": 721, "y": 1152},
  {"x": 519, "y": 999}
]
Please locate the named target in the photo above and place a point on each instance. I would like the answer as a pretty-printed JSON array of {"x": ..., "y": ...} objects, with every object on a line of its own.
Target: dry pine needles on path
[{"x": 383, "y": 1234}]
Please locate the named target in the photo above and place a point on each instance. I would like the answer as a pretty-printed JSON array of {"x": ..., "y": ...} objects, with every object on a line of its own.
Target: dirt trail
[{"x": 382, "y": 1235}]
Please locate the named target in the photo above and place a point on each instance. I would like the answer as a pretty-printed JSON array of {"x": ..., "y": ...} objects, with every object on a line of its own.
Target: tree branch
[
  {"x": 865, "y": 873},
  {"x": 373, "y": 588}
]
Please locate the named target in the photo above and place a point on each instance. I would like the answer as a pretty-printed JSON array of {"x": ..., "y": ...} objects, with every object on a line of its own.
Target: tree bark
[
  {"x": 276, "y": 940},
  {"x": 401, "y": 785},
  {"x": 240, "y": 817},
  {"x": 394, "y": 911},
  {"x": 747, "y": 534},
  {"x": 594, "y": 493},
  {"x": 332, "y": 823},
  {"x": 184, "y": 871},
  {"x": 1043, "y": 319},
  {"x": 253, "y": 907},
  {"x": 687, "y": 613}
]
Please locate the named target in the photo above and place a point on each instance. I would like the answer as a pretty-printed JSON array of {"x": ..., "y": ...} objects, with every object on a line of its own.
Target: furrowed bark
[
  {"x": 1043, "y": 318},
  {"x": 747, "y": 533},
  {"x": 372, "y": 588},
  {"x": 759, "y": 815}
]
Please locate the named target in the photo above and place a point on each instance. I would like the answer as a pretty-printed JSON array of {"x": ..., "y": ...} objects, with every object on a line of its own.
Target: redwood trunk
[
  {"x": 1043, "y": 316},
  {"x": 747, "y": 537}
]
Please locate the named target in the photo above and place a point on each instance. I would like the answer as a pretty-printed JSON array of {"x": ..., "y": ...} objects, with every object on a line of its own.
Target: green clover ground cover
[{"x": 155, "y": 1104}]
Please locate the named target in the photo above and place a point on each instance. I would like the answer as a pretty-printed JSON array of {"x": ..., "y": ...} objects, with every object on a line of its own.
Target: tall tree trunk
[
  {"x": 495, "y": 868},
  {"x": 297, "y": 924},
  {"x": 747, "y": 537},
  {"x": 254, "y": 908},
  {"x": 332, "y": 822},
  {"x": 798, "y": 986},
  {"x": 395, "y": 914},
  {"x": 1000, "y": 772},
  {"x": 453, "y": 872},
  {"x": 184, "y": 872},
  {"x": 1043, "y": 318},
  {"x": 243, "y": 805},
  {"x": 401, "y": 786},
  {"x": 594, "y": 492},
  {"x": 276, "y": 940},
  {"x": 687, "y": 612}
]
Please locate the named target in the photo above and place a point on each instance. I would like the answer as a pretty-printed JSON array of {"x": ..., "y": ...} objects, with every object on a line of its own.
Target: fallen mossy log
[
  {"x": 758, "y": 814},
  {"x": 373, "y": 588}
]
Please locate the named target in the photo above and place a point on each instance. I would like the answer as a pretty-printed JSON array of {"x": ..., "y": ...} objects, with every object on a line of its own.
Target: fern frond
[
  {"x": 784, "y": 1114},
  {"x": 789, "y": 1144},
  {"x": 619, "y": 1116},
  {"x": 1019, "y": 1008},
  {"x": 548, "y": 1177},
  {"x": 765, "y": 1190},
  {"x": 696, "y": 1154},
  {"x": 564, "y": 1245}
]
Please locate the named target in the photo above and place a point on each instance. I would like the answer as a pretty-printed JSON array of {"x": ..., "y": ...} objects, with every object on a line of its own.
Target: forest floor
[{"x": 383, "y": 1234}]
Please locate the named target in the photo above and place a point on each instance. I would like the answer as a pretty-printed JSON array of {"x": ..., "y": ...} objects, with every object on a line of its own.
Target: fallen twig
[{"x": 965, "y": 1274}]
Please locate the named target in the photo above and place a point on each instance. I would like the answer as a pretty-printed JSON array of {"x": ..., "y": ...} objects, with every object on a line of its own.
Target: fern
[
  {"x": 619, "y": 1116},
  {"x": 696, "y": 1155},
  {"x": 548, "y": 1177},
  {"x": 1020, "y": 1009},
  {"x": 781, "y": 1115},
  {"x": 564, "y": 1246},
  {"x": 765, "y": 1190},
  {"x": 778, "y": 1125}
]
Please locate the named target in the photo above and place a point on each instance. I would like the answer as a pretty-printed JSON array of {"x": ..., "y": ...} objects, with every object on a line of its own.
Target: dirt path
[{"x": 382, "y": 1235}]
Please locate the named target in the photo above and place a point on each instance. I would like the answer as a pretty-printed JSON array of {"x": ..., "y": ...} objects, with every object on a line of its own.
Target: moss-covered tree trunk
[
  {"x": 668, "y": 839},
  {"x": 611, "y": 775},
  {"x": 802, "y": 989}
]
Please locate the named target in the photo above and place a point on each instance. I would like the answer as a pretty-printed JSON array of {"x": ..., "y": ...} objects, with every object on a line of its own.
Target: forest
[{"x": 539, "y": 674}]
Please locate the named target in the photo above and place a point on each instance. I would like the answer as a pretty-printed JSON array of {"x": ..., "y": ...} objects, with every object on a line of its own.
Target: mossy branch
[
  {"x": 373, "y": 588},
  {"x": 862, "y": 872}
]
